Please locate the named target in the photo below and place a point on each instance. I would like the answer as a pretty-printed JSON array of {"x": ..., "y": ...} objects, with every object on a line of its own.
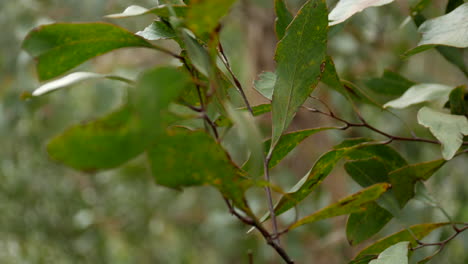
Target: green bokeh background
[{"x": 52, "y": 214}]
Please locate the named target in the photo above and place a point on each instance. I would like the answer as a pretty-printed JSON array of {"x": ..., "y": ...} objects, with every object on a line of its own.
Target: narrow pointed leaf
[
  {"x": 354, "y": 203},
  {"x": 419, "y": 231},
  {"x": 63, "y": 46},
  {"x": 299, "y": 56},
  {"x": 347, "y": 8},
  {"x": 448, "y": 129},
  {"x": 161, "y": 11},
  {"x": 283, "y": 18},
  {"x": 397, "y": 253},
  {"x": 403, "y": 180},
  {"x": 156, "y": 31},
  {"x": 317, "y": 174},
  {"x": 290, "y": 141},
  {"x": 419, "y": 93},
  {"x": 72, "y": 79}
]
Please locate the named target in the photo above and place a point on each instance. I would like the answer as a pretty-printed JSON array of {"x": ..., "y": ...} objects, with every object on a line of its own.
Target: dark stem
[
  {"x": 226, "y": 63},
  {"x": 443, "y": 243},
  {"x": 271, "y": 208},
  {"x": 266, "y": 235},
  {"x": 364, "y": 123}
]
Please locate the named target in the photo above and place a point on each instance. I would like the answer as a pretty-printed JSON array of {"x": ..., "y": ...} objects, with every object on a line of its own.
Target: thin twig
[
  {"x": 271, "y": 208},
  {"x": 266, "y": 235},
  {"x": 226, "y": 63},
  {"x": 443, "y": 243},
  {"x": 364, "y": 123}
]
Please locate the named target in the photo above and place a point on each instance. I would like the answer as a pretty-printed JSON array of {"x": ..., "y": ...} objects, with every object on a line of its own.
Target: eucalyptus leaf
[
  {"x": 397, "y": 253},
  {"x": 250, "y": 134},
  {"x": 154, "y": 91},
  {"x": 351, "y": 204},
  {"x": 72, "y": 79},
  {"x": 347, "y": 8},
  {"x": 417, "y": 232},
  {"x": 156, "y": 31},
  {"x": 265, "y": 84},
  {"x": 391, "y": 84},
  {"x": 161, "y": 11},
  {"x": 101, "y": 144},
  {"x": 321, "y": 169},
  {"x": 283, "y": 18},
  {"x": 203, "y": 16},
  {"x": 448, "y": 30},
  {"x": 404, "y": 179},
  {"x": 448, "y": 129},
  {"x": 180, "y": 158},
  {"x": 63, "y": 46},
  {"x": 299, "y": 56},
  {"x": 419, "y": 93}
]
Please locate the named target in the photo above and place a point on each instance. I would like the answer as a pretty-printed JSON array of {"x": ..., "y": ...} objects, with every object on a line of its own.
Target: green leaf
[
  {"x": 457, "y": 101},
  {"x": 374, "y": 218},
  {"x": 283, "y": 18},
  {"x": 73, "y": 79},
  {"x": 299, "y": 56},
  {"x": 289, "y": 141},
  {"x": 203, "y": 16},
  {"x": 391, "y": 83},
  {"x": 63, "y": 46},
  {"x": 101, "y": 144},
  {"x": 198, "y": 55},
  {"x": 448, "y": 129},
  {"x": 448, "y": 30},
  {"x": 265, "y": 84},
  {"x": 156, "y": 31},
  {"x": 404, "y": 179},
  {"x": 250, "y": 135},
  {"x": 317, "y": 174},
  {"x": 397, "y": 253},
  {"x": 371, "y": 165},
  {"x": 154, "y": 91},
  {"x": 184, "y": 158},
  {"x": 161, "y": 11},
  {"x": 419, "y": 231},
  {"x": 347, "y": 8},
  {"x": 351, "y": 204},
  {"x": 256, "y": 111},
  {"x": 419, "y": 93}
]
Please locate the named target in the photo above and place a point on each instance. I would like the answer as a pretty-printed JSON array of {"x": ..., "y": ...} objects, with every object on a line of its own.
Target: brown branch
[
  {"x": 226, "y": 63},
  {"x": 266, "y": 235},
  {"x": 364, "y": 123}
]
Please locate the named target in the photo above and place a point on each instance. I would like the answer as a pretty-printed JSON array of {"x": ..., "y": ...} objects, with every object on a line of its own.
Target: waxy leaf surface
[{"x": 299, "y": 56}]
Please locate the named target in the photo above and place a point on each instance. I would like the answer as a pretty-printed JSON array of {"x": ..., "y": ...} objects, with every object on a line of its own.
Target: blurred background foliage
[{"x": 51, "y": 214}]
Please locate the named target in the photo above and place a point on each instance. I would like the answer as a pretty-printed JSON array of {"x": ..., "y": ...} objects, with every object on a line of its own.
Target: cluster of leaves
[{"x": 178, "y": 115}]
